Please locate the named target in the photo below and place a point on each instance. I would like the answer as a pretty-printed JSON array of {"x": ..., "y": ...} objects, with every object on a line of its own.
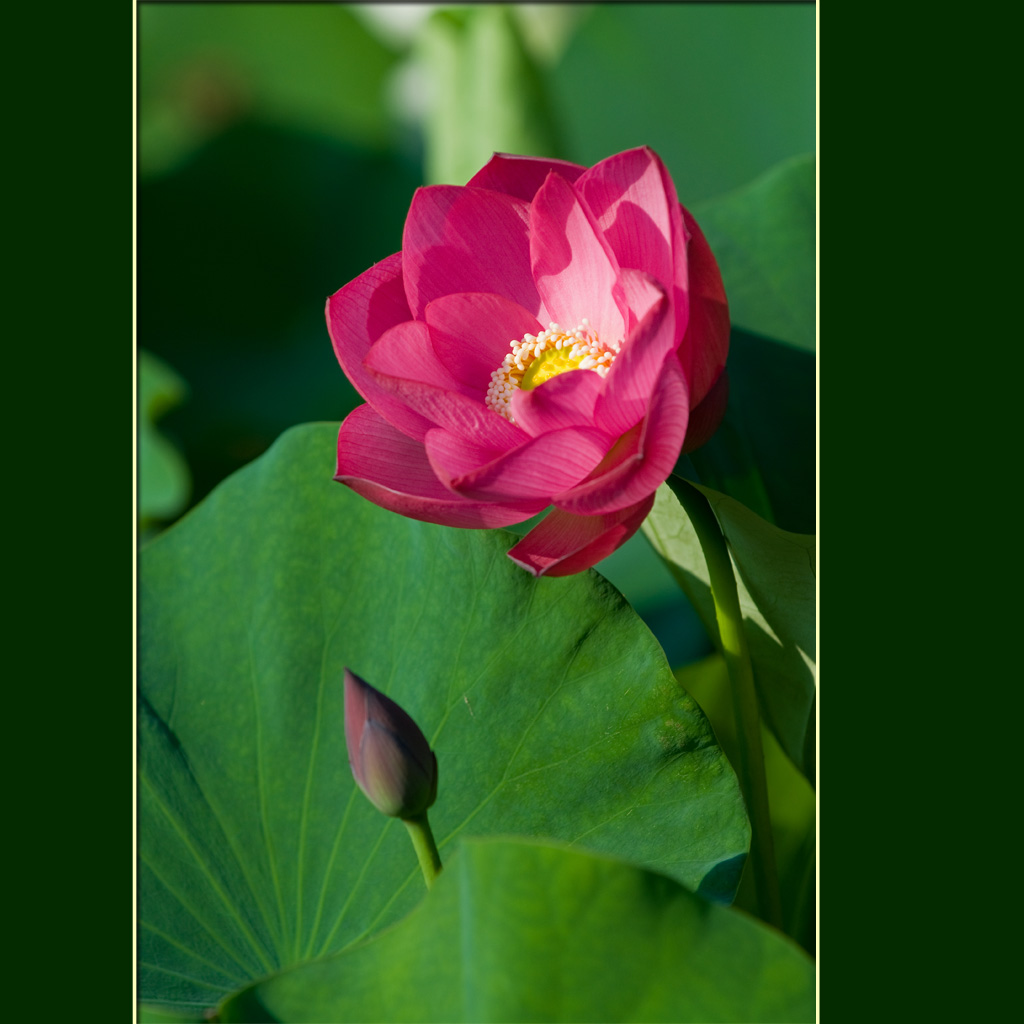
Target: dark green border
[{"x": 68, "y": 498}]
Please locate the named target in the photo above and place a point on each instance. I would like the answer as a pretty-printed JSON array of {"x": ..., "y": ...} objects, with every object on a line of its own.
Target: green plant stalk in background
[
  {"x": 426, "y": 849},
  {"x": 490, "y": 93},
  {"x": 741, "y": 676}
]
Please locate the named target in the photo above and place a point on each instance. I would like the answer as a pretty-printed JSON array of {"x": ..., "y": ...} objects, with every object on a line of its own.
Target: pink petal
[
  {"x": 638, "y": 366},
  {"x": 454, "y": 454},
  {"x": 357, "y": 315},
  {"x": 471, "y": 334},
  {"x": 405, "y": 365},
  {"x": 634, "y": 199},
  {"x": 521, "y": 176},
  {"x": 405, "y": 351},
  {"x": 392, "y": 471},
  {"x": 680, "y": 272},
  {"x": 541, "y": 467},
  {"x": 642, "y": 458},
  {"x": 706, "y": 343},
  {"x": 460, "y": 239},
  {"x": 576, "y": 273},
  {"x": 705, "y": 419},
  {"x": 563, "y": 543},
  {"x": 564, "y": 401},
  {"x": 631, "y": 196}
]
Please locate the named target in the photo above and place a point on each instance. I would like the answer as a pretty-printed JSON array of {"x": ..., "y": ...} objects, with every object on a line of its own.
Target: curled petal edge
[
  {"x": 563, "y": 544},
  {"x": 392, "y": 470},
  {"x": 521, "y": 176},
  {"x": 642, "y": 457}
]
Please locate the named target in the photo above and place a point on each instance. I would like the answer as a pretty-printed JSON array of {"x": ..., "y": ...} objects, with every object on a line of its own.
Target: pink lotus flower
[{"x": 548, "y": 335}]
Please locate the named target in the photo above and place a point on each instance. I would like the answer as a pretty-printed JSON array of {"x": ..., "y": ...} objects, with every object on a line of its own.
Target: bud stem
[{"x": 426, "y": 848}]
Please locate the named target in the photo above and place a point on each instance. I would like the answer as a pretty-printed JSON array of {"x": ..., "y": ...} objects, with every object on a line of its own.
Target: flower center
[{"x": 533, "y": 360}]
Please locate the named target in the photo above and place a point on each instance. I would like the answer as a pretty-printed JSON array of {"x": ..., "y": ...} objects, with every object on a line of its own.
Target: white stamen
[{"x": 579, "y": 343}]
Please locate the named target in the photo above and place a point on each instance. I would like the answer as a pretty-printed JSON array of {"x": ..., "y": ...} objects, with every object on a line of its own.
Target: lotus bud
[{"x": 389, "y": 756}]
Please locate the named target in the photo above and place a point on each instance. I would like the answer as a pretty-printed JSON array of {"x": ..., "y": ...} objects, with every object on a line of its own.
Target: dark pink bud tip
[{"x": 390, "y": 757}]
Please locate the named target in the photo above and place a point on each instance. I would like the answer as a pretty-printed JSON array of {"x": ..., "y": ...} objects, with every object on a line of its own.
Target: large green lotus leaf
[
  {"x": 525, "y": 932},
  {"x": 763, "y": 453},
  {"x": 151, "y": 1015},
  {"x": 550, "y": 706},
  {"x": 775, "y": 576},
  {"x": 164, "y": 481},
  {"x": 763, "y": 236}
]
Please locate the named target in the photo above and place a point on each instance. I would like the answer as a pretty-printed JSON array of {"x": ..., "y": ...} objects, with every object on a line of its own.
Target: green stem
[
  {"x": 426, "y": 848},
  {"x": 741, "y": 677}
]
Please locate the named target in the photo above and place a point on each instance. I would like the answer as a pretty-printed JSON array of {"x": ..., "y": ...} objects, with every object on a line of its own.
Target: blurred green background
[{"x": 279, "y": 146}]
